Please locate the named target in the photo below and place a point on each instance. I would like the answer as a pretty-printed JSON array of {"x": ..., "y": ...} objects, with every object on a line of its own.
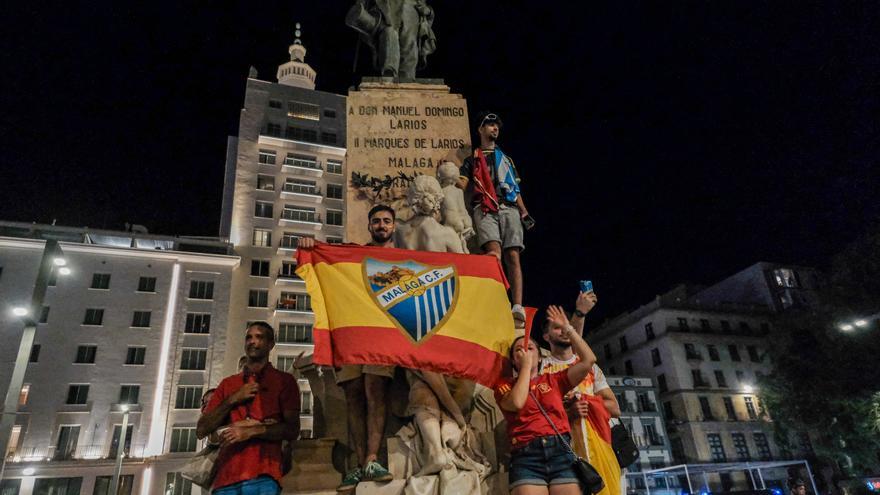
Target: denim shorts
[
  {"x": 543, "y": 461},
  {"x": 261, "y": 485}
]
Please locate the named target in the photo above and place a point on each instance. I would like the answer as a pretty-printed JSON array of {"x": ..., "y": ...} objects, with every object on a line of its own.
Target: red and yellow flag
[{"x": 442, "y": 312}]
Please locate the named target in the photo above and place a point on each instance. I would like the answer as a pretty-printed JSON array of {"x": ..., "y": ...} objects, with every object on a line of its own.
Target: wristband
[{"x": 579, "y": 313}]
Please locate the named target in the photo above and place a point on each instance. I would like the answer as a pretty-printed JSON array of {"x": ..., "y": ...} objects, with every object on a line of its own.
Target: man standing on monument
[
  {"x": 398, "y": 32},
  {"x": 499, "y": 210},
  {"x": 365, "y": 386}
]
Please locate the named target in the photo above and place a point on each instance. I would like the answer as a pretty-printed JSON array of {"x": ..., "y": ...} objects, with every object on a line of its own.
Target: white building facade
[
  {"x": 139, "y": 323},
  {"x": 285, "y": 180}
]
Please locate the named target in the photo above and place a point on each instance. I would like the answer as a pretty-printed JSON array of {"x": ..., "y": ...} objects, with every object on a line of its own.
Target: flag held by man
[{"x": 442, "y": 312}]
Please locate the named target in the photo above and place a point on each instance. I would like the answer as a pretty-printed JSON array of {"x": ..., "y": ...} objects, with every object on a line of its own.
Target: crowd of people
[{"x": 254, "y": 414}]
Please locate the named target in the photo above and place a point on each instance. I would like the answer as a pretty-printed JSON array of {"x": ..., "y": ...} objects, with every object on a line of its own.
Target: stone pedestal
[
  {"x": 313, "y": 469},
  {"x": 394, "y": 132}
]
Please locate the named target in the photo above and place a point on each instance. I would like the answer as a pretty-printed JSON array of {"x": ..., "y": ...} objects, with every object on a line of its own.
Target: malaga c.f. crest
[{"x": 417, "y": 297}]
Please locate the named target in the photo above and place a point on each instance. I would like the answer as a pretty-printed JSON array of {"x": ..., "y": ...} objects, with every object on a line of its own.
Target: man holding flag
[{"x": 591, "y": 404}]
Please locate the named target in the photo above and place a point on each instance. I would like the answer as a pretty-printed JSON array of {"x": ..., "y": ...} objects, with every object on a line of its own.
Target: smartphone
[
  {"x": 528, "y": 222},
  {"x": 586, "y": 286}
]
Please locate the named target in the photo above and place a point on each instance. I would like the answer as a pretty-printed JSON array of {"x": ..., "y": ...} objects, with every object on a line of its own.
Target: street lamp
[
  {"x": 52, "y": 255},
  {"x": 863, "y": 322},
  {"x": 120, "y": 451}
]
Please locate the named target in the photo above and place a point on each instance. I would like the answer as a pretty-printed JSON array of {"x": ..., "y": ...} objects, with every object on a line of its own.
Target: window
[
  {"x": 288, "y": 270},
  {"x": 745, "y": 328},
  {"x": 183, "y": 440},
  {"x": 704, "y": 325},
  {"x": 265, "y": 182},
  {"x": 725, "y": 326},
  {"x": 334, "y": 191},
  {"x": 301, "y": 110},
  {"x": 135, "y": 355},
  {"x": 706, "y": 409},
  {"x": 330, "y": 114},
  {"x": 292, "y": 160},
  {"x": 655, "y": 357},
  {"x": 713, "y": 353},
  {"x": 300, "y": 134},
  {"x": 762, "y": 445},
  {"x": 263, "y": 209},
  {"x": 35, "y": 354},
  {"x": 94, "y": 317},
  {"x": 719, "y": 377},
  {"x": 299, "y": 214},
  {"x": 628, "y": 366},
  {"x": 85, "y": 354},
  {"x": 274, "y": 103},
  {"x": 785, "y": 277},
  {"x": 273, "y": 129},
  {"x": 129, "y": 394},
  {"x": 100, "y": 281},
  {"x": 334, "y": 240},
  {"x": 175, "y": 484},
  {"x": 44, "y": 317},
  {"x": 328, "y": 138},
  {"x": 661, "y": 383},
  {"x": 334, "y": 217},
  {"x": 698, "y": 379},
  {"x": 740, "y": 446},
  {"x": 11, "y": 486},
  {"x": 608, "y": 353},
  {"x": 147, "y": 284},
  {"x": 102, "y": 484},
  {"x": 690, "y": 351},
  {"x": 23, "y": 396},
  {"x": 295, "y": 333},
  {"x": 668, "y": 411},
  {"x": 740, "y": 377},
  {"x": 267, "y": 157},
  {"x": 295, "y": 302},
  {"x": 262, "y": 238},
  {"x": 258, "y": 298},
  {"x": 68, "y": 437},
  {"x": 683, "y": 325},
  {"x": 193, "y": 359},
  {"x": 259, "y": 268},
  {"x": 728, "y": 408},
  {"x": 716, "y": 449},
  {"x": 198, "y": 323},
  {"x": 305, "y": 400},
  {"x": 651, "y": 434},
  {"x": 57, "y": 486},
  {"x": 188, "y": 398},
  {"x": 304, "y": 433},
  {"x": 114, "y": 442},
  {"x": 734, "y": 352},
  {"x": 645, "y": 404},
  {"x": 623, "y": 345},
  {"x": 649, "y": 331},
  {"x": 753, "y": 354},
  {"x": 201, "y": 289},
  {"x": 141, "y": 319},
  {"x": 285, "y": 363},
  {"x": 77, "y": 394},
  {"x": 334, "y": 167},
  {"x": 750, "y": 408}
]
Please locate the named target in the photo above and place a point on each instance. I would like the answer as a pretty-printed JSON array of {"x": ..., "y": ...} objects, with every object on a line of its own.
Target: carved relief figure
[
  {"x": 423, "y": 232},
  {"x": 453, "y": 211}
]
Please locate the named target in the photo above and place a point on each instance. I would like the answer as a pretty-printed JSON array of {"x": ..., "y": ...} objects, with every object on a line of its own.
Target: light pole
[
  {"x": 120, "y": 452},
  {"x": 52, "y": 256},
  {"x": 851, "y": 325}
]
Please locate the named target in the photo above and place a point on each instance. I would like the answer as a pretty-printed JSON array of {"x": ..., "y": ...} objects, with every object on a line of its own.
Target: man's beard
[
  {"x": 560, "y": 343},
  {"x": 380, "y": 237}
]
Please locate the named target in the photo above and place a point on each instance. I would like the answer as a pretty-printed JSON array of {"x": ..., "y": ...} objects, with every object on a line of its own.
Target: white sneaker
[{"x": 519, "y": 316}]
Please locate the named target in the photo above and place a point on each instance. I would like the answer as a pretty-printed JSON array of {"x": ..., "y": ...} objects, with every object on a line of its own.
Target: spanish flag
[{"x": 442, "y": 312}]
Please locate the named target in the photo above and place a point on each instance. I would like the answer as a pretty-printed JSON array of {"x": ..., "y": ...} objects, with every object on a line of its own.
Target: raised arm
[
  {"x": 579, "y": 371},
  {"x": 584, "y": 303},
  {"x": 519, "y": 394}
]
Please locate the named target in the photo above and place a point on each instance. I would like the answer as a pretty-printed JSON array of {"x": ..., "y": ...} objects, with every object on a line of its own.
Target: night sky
[{"x": 659, "y": 142}]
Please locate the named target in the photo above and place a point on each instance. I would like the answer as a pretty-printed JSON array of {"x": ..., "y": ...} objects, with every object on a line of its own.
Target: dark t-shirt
[{"x": 467, "y": 170}]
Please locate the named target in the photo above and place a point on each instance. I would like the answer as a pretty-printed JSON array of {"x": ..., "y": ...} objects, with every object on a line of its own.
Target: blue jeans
[
  {"x": 261, "y": 485},
  {"x": 543, "y": 461}
]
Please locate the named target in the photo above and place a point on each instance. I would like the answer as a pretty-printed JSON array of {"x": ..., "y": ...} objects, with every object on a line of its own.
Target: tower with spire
[{"x": 297, "y": 72}]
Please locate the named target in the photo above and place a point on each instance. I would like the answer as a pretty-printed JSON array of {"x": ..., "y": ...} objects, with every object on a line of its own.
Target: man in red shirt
[{"x": 253, "y": 412}]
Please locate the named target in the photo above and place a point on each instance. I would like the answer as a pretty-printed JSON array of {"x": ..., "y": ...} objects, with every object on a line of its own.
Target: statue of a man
[{"x": 398, "y": 32}]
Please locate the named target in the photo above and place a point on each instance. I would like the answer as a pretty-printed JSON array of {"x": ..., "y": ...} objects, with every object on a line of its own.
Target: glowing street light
[
  {"x": 748, "y": 389},
  {"x": 20, "y": 311},
  {"x": 64, "y": 270},
  {"x": 846, "y": 327},
  {"x": 861, "y": 323},
  {"x": 59, "y": 261}
]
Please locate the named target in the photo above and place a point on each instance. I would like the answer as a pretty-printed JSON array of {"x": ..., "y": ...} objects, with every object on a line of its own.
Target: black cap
[
  {"x": 487, "y": 117},
  {"x": 798, "y": 482}
]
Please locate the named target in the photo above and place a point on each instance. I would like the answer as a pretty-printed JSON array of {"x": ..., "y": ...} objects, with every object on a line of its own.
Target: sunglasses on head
[{"x": 489, "y": 117}]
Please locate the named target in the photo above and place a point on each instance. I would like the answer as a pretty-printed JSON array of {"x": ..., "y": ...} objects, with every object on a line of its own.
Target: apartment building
[
  {"x": 138, "y": 328},
  {"x": 285, "y": 180}
]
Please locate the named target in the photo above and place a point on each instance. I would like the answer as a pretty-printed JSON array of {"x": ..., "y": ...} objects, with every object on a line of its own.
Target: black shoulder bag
[
  {"x": 590, "y": 480},
  {"x": 622, "y": 443}
]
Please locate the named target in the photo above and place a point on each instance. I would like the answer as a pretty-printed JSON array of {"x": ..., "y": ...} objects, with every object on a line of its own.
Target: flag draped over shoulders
[{"x": 442, "y": 312}]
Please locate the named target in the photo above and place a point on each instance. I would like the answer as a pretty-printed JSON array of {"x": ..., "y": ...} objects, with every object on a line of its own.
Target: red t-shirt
[
  {"x": 528, "y": 423},
  {"x": 248, "y": 460}
]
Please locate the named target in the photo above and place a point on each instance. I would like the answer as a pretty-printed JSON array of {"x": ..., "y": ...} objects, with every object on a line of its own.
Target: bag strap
[{"x": 553, "y": 425}]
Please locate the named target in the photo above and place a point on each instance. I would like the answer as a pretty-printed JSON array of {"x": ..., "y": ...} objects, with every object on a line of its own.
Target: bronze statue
[{"x": 398, "y": 32}]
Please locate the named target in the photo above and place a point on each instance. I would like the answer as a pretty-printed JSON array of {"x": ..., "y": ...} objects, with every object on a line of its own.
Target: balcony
[
  {"x": 647, "y": 407},
  {"x": 656, "y": 441},
  {"x": 292, "y": 306},
  {"x": 701, "y": 384},
  {"x": 303, "y": 167},
  {"x": 300, "y": 218},
  {"x": 300, "y": 192},
  {"x": 288, "y": 278},
  {"x": 693, "y": 355}
]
